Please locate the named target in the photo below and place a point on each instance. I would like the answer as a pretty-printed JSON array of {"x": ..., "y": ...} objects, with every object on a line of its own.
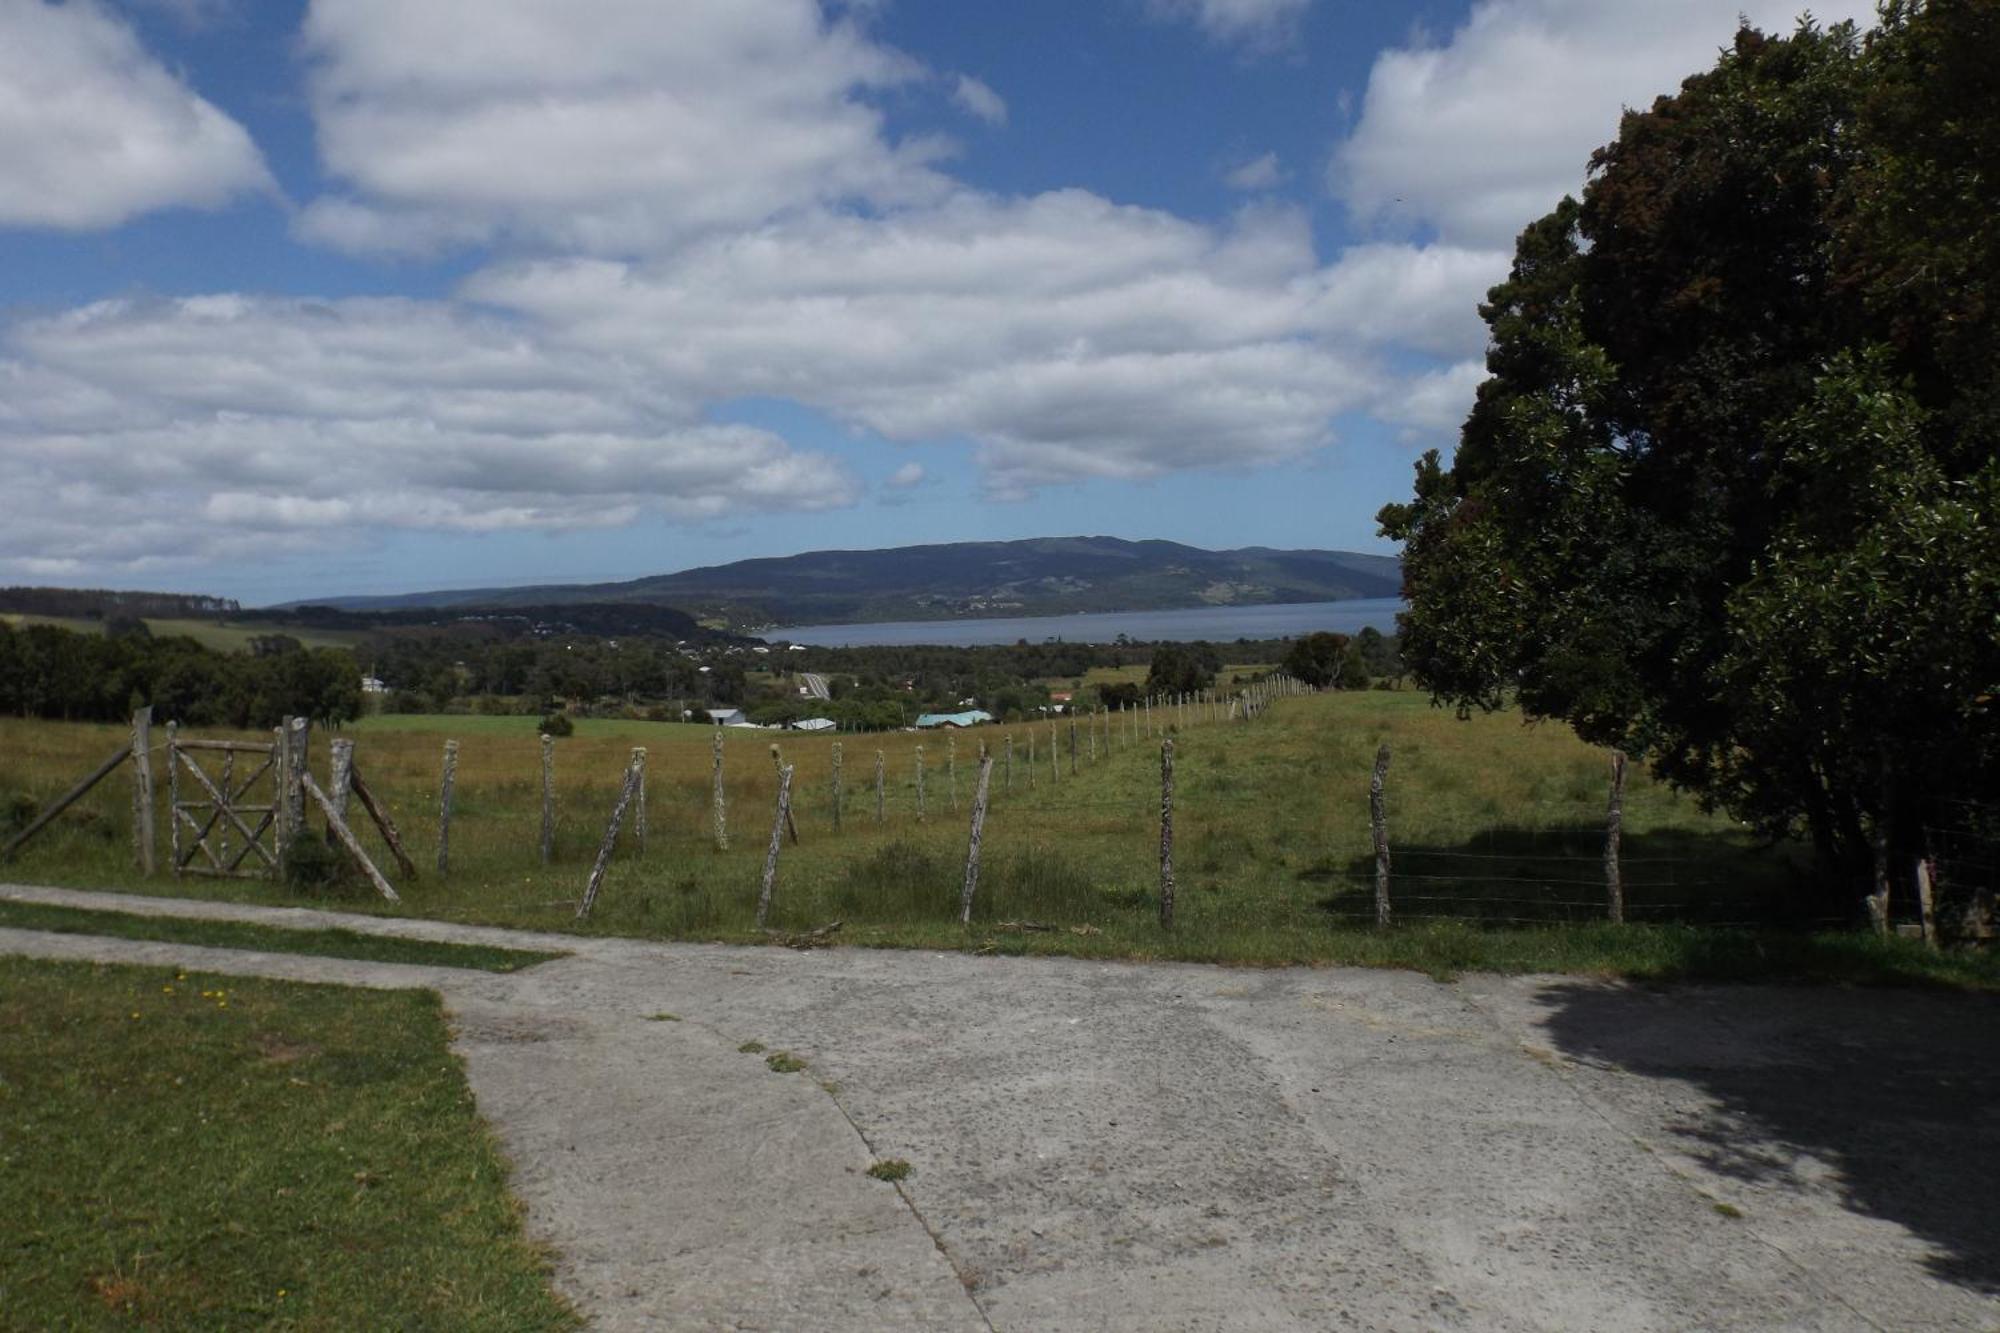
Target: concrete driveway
[{"x": 1112, "y": 1146}]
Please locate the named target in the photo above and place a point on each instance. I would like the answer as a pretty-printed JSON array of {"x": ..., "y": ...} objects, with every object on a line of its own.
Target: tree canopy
[{"x": 1728, "y": 498}]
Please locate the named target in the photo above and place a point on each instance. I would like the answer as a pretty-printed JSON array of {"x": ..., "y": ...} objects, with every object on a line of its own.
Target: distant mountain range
[{"x": 1037, "y": 577}]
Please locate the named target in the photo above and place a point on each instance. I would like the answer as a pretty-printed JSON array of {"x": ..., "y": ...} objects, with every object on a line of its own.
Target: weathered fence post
[
  {"x": 1008, "y": 784},
  {"x": 1878, "y": 901},
  {"x": 1072, "y": 744},
  {"x": 720, "y": 820},
  {"x": 1614, "y": 827},
  {"x": 174, "y": 798},
  {"x": 1926, "y": 902},
  {"x": 340, "y": 784},
  {"x": 444, "y": 805},
  {"x": 777, "y": 840},
  {"x": 343, "y": 834},
  {"x": 548, "y": 799},
  {"x": 920, "y": 784},
  {"x": 778, "y": 766},
  {"x": 836, "y": 785},
  {"x": 300, "y": 730},
  {"x": 639, "y": 799},
  {"x": 881, "y": 786},
  {"x": 603, "y": 862},
  {"x": 1031, "y": 756},
  {"x": 1378, "y": 820},
  {"x": 978, "y": 829},
  {"x": 281, "y": 767},
  {"x": 143, "y": 834},
  {"x": 1055, "y": 754},
  {"x": 1091, "y": 736},
  {"x": 1167, "y": 833}
]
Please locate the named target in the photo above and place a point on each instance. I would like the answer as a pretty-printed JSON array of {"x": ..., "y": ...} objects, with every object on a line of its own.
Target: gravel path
[{"x": 1172, "y": 1147}]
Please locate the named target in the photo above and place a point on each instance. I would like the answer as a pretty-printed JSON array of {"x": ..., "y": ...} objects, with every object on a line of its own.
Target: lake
[{"x": 1218, "y": 624}]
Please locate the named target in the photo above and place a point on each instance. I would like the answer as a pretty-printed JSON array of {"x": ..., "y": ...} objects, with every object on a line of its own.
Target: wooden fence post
[
  {"x": 720, "y": 820},
  {"x": 1378, "y": 820},
  {"x": 343, "y": 834},
  {"x": 174, "y": 798},
  {"x": 295, "y": 793},
  {"x": 387, "y": 826},
  {"x": 1614, "y": 828},
  {"x": 1072, "y": 744},
  {"x": 920, "y": 784},
  {"x": 281, "y": 768},
  {"x": 603, "y": 862},
  {"x": 778, "y": 766},
  {"x": 836, "y": 786},
  {"x": 1008, "y": 784},
  {"x": 143, "y": 834},
  {"x": 881, "y": 793},
  {"x": 445, "y": 786},
  {"x": 548, "y": 799},
  {"x": 777, "y": 840},
  {"x": 1926, "y": 902},
  {"x": 639, "y": 799},
  {"x": 68, "y": 798},
  {"x": 1031, "y": 756},
  {"x": 972, "y": 847},
  {"x": 1167, "y": 833},
  {"x": 340, "y": 783},
  {"x": 1055, "y": 754}
]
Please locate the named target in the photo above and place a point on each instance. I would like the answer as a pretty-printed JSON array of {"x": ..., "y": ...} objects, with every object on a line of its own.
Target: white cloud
[
  {"x": 1481, "y": 135},
  {"x": 234, "y": 427},
  {"x": 906, "y": 476},
  {"x": 604, "y": 126},
  {"x": 979, "y": 100},
  {"x": 1258, "y": 24},
  {"x": 94, "y": 131},
  {"x": 1066, "y": 336},
  {"x": 1259, "y": 173},
  {"x": 1431, "y": 406}
]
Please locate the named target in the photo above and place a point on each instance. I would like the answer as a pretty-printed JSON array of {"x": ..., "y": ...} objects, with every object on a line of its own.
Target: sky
[{"x": 357, "y": 296}]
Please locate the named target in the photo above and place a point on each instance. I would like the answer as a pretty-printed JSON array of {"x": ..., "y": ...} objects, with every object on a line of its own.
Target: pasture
[{"x": 1495, "y": 827}]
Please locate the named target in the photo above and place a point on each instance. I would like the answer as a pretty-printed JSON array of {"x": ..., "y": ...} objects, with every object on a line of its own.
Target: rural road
[
  {"x": 816, "y": 683},
  {"x": 1113, "y": 1146}
]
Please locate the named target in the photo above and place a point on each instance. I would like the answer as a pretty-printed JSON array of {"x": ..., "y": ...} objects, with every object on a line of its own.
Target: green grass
[
  {"x": 783, "y": 1062},
  {"x": 1496, "y": 828},
  {"x": 891, "y": 1169},
  {"x": 329, "y": 943},
  {"x": 188, "y": 1151},
  {"x": 528, "y": 727},
  {"x": 221, "y": 636}
]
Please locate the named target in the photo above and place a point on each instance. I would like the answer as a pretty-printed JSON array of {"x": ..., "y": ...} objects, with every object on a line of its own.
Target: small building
[
  {"x": 373, "y": 685},
  {"x": 815, "y": 724},
  {"x": 970, "y": 718},
  {"x": 726, "y": 717}
]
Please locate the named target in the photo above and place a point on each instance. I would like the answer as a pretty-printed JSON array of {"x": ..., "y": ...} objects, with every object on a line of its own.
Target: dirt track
[{"x": 1169, "y": 1147}]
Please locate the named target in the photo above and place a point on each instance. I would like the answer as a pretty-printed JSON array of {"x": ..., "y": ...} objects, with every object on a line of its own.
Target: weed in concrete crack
[
  {"x": 752, "y": 1048},
  {"x": 1727, "y": 1209},
  {"x": 663, "y": 1017},
  {"x": 784, "y": 1062},
  {"x": 894, "y": 1168}
]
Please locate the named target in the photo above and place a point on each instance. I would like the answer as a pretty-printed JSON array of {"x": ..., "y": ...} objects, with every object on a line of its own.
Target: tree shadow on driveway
[{"x": 1898, "y": 1092}]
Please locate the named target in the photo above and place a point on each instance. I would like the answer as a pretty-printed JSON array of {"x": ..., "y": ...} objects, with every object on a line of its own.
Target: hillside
[{"x": 1041, "y": 576}]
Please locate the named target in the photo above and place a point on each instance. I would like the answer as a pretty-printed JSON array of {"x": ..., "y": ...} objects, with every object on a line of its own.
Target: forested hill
[{"x": 1042, "y": 576}]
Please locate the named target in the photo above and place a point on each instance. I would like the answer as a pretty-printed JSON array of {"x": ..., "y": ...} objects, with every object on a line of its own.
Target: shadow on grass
[
  {"x": 1894, "y": 1092},
  {"x": 1521, "y": 876}
]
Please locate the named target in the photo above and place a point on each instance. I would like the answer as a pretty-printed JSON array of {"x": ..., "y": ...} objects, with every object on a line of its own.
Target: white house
[{"x": 726, "y": 717}]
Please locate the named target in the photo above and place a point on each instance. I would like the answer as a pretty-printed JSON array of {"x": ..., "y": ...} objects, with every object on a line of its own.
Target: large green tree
[{"x": 1728, "y": 498}]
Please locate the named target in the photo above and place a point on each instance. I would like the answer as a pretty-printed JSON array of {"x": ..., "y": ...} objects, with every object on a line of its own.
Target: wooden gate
[{"x": 228, "y": 822}]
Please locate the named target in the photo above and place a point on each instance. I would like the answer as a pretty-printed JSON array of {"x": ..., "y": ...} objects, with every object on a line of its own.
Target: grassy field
[
  {"x": 1496, "y": 828},
  {"x": 187, "y": 1151}
]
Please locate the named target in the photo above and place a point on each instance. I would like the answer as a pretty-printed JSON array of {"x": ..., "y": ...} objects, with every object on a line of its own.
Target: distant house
[
  {"x": 970, "y": 718},
  {"x": 815, "y": 724},
  {"x": 726, "y": 717},
  {"x": 797, "y": 648},
  {"x": 373, "y": 685}
]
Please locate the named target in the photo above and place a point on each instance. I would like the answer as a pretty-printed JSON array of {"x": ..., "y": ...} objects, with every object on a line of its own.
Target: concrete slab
[{"x": 1113, "y": 1146}]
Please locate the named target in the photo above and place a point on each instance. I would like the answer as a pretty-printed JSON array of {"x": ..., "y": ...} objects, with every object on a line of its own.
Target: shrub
[{"x": 558, "y": 724}]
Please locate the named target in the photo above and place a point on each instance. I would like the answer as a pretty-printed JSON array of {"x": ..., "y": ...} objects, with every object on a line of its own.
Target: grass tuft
[{"x": 890, "y": 1169}]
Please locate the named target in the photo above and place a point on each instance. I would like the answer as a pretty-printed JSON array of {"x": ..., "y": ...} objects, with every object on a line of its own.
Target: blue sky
[{"x": 378, "y": 295}]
